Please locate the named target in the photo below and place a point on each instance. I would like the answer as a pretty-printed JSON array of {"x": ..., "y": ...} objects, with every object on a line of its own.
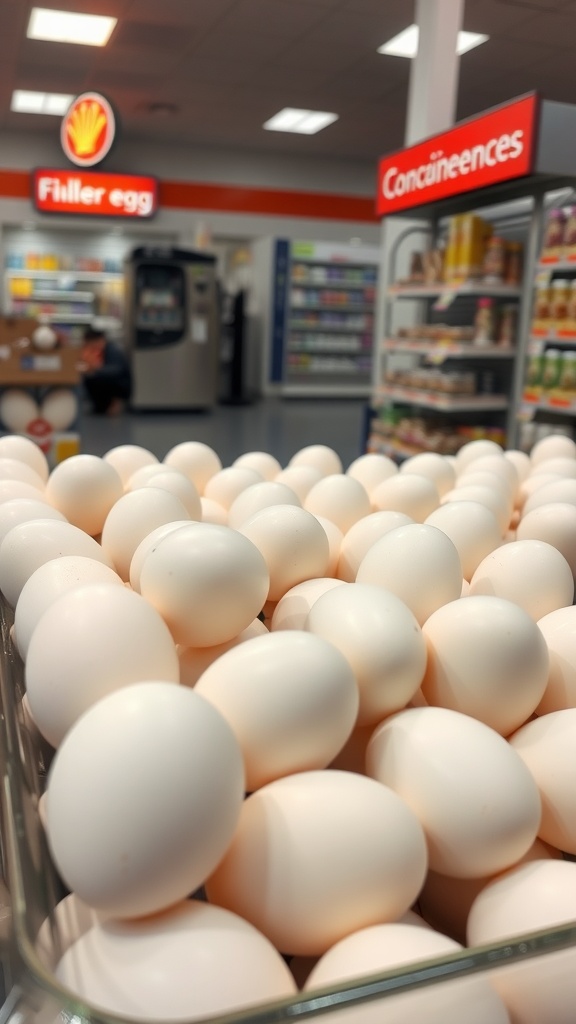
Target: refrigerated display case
[
  {"x": 470, "y": 381},
  {"x": 172, "y": 328}
]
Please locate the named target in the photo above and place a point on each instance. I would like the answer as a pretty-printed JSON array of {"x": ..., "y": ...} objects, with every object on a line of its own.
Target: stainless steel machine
[{"x": 172, "y": 328}]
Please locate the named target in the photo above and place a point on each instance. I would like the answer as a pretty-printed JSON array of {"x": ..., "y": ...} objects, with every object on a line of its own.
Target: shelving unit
[
  {"x": 322, "y": 329},
  {"x": 54, "y": 295},
  {"x": 515, "y": 202}
]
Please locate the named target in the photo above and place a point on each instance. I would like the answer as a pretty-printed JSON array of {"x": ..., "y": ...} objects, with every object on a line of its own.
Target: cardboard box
[{"x": 21, "y": 365}]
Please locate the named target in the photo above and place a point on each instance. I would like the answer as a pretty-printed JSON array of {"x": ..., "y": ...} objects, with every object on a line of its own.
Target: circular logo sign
[{"x": 88, "y": 129}]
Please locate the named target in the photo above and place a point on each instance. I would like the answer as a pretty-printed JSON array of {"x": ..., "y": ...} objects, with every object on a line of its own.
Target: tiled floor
[{"x": 278, "y": 426}]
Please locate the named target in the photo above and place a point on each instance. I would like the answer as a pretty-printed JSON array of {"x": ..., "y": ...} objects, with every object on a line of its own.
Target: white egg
[
  {"x": 531, "y": 573},
  {"x": 177, "y": 483},
  {"x": 381, "y": 639},
  {"x": 14, "y": 446},
  {"x": 127, "y": 458},
  {"x": 46, "y": 584},
  {"x": 546, "y": 745},
  {"x": 418, "y": 563},
  {"x": 556, "y": 491},
  {"x": 360, "y": 538},
  {"x": 29, "y": 544},
  {"x": 130, "y": 843},
  {"x": 258, "y": 496},
  {"x": 195, "y": 660},
  {"x": 292, "y": 609},
  {"x": 225, "y": 486},
  {"x": 12, "y": 489},
  {"x": 23, "y": 510},
  {"x": 146, "y": 545},
  {"x": 501, "y": 467},
  {"x": 266, "y": 465},
  {"x": 521, "y": 461},
  {"x": 533, "y": 483},
  {"x": 300, "y": 479},
  {"x": 190, "y": 963},
  {"x": 435, "y": 467},
  {"x": 70, "y": 919},
  {"x": 559, "y": 631},
  {"x": 14, "y": 469},
  {"x": 132, "y": 518},
  {"x": 318, "y": 855},
  {"x": 563, "y": 466},
  {"x": 415, "y": 495},
  {"x": 372, "y": 469},
  {"x": 208, "y": 583},
  {"x": 475, "y": 798},
  {"x": 552, "y": 447},
  {"x": 472, "y": 528},
  {"x": 340, "y": 498},
  {"x": 197, "y": 460},
  {"x": 335, "y": 537},
  {"x": 487, "y": 659},
  {"x": 60, "y": 408},
  {"x": 532, "y": 897},
  {"x": 475, "y": 450},
  {"x": 495, "y": 500},
  {"x": 292, "y": 542},
  {"x": 91, "y": 641},
  {"x": 144, "y": 474},
  {"x": 289, "y": 697},
  {"x": 323, "y": 458},
  {"x": 84, "y": 488},
  {"x": 212, "y": 512},
  {"x": 389, "y": 947},
  {"x": 555, "y": 524}
]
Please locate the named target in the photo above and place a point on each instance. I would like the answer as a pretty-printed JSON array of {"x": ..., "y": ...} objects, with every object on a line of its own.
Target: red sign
[
  {"x": 495, "y": 147},
  {"x": 88, "y": 129},
  {"x": 95, "y": 193}
]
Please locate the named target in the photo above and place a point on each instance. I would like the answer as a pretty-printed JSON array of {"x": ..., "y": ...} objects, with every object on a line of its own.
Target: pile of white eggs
[{"x": 308, "y": 724}]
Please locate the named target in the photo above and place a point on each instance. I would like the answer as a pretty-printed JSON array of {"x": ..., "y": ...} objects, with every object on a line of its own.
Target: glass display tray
[{"x": 32, "y": 889}]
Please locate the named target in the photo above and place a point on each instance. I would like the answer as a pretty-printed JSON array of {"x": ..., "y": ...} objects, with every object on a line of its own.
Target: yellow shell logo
[
  {"x": 88, "y": 129},
  {"x": 84, "y": 127}
]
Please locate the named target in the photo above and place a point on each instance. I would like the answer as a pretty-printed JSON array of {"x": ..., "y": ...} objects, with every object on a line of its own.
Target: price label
[{"x": 444, "y": 301}]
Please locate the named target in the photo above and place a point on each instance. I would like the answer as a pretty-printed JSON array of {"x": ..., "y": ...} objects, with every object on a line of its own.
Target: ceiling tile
[
  {"x": 552, "y": 29},
  {"x": 273, "y": 17}
]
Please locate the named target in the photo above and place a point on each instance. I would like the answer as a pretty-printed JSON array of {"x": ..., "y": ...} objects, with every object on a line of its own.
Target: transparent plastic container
[{"x": 33, "y": 994}]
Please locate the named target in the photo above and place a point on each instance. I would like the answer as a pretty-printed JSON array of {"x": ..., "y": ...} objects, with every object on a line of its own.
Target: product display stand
[{"x": 468, "y": 384}]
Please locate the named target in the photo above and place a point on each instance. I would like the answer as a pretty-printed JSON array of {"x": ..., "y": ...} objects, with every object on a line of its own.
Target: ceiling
[{"x": 224, "y": 66}]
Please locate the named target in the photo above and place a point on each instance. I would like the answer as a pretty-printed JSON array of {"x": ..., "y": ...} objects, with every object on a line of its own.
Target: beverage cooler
[{"x": 172, "y": 328}]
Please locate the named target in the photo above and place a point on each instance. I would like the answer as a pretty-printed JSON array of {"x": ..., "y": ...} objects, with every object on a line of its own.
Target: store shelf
[
  {"x": 291, "y": 390},
  {"x": 397, "y": 291},
  {"x": 55, "y": 294},
  {"x": 555, "y": 264},
  {"x": 360, "y": 307},
  {"x": 76, "y": 275},
  {"x": 297, "y": 282},
  {"x": 328, "y": 328},
  {"x": 327, "y": 349},
  {"x": 439, "y": 400},
  {"x": 553, "y": 338},
  {"x": 562, "y": 405},
  {"x": 441, "y": 352}
]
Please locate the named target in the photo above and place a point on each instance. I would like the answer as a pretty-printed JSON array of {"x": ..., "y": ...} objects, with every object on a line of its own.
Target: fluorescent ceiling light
[
  {"x": 69, "y": 27},
  {"x": 405, "y": 44},
  {"x": 305, "y": 122},
  {"x": 25, "y": 102}
]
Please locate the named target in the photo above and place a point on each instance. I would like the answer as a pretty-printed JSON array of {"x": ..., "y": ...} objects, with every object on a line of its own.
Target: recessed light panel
[
  {"x": 405, "y": 44},
  {"x": 304, "y": 122},
  {"x": 69, "y": 27},
  {"x": 26, "y": 102}
]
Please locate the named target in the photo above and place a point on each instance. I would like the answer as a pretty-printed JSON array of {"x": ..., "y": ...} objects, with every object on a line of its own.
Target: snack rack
[{"x": 33, "y": 994}]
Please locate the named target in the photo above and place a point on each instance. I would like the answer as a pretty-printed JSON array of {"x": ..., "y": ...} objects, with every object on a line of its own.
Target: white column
[{"x": 434, "y": 72}]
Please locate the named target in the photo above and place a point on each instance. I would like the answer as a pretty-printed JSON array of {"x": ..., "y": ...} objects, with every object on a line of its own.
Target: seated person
[{"x": 106, "y": 372}]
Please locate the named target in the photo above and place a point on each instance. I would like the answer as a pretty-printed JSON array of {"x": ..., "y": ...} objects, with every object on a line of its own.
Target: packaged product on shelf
[
  {"x": 561, "y": 293},
  {"x": 567, "y": 378},
  {"x": 552, "y": 368},
  {"x": 494, "y": 265},
  {"x": 571, "y": 318},
  {"x": 485, "y": 322},
  {"x": 534, "y": 370},
  {"x": 570, "y": 234},
  {"x": 474, "y": 234},
  {"x": 433, "y": 261},
  {"x": 553, "y": 242},
  {"x": 513, "y": 264},
  {"x": 416, "y": 272},
  {"x": 452, "y": 249},
  {"x": 506, "y": 336},
  {"x": 542, "y": 306}
]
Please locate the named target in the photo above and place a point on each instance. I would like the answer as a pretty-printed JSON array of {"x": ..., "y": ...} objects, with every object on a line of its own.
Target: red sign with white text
[
  {"x": 94, "y": 193},
  {"x": 495, "y": 147}
]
